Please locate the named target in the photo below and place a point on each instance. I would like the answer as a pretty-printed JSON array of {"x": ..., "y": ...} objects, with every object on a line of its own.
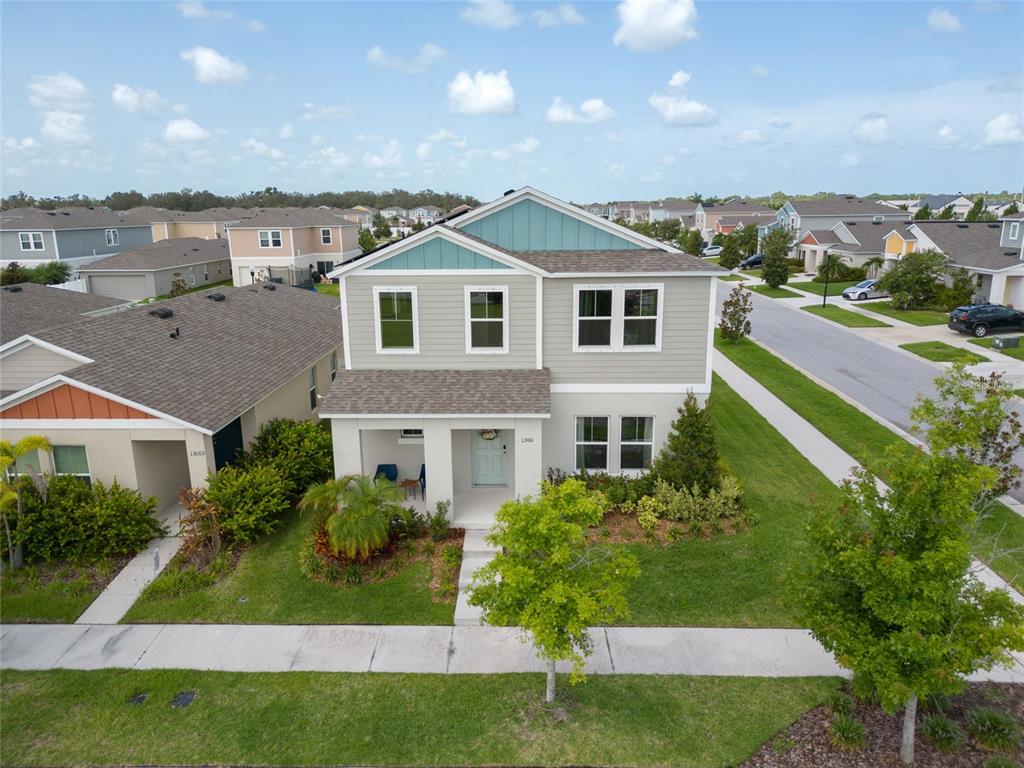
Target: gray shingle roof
[
  {"x": 150, "y": 215},
  {"x": 78, "y": 217},
  {"x": 974, "y": 244},
  {"x": 230, "y": 354},
  {"x": 846, "y": 205},
  {"x": 736, "y": 220},
  {"x": 737, "y": 207},
  {"x": 938, "y": 202},
  {"x": 294, "y": 217},
  {"x": 37, "y": 307},
  {"x": 824, "y": 236},
  {"x": 163, "y": 254},
  {"x": 437, "y": 392}
]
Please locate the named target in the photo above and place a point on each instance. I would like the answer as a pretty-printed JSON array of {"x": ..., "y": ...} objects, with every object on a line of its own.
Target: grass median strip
[
  {"x": 912, "y": 316},
  {"x": 941, "y": 352},
  {"x": 844, "y": 316},
  {"x": 834, "y": 289},
  {"x": 990, "y": 343},
  {"x": 61, "y": 717},
  {"x": 732, "y": 278},
  {"x": 775, "y": 293},
  {"x": 1000, "y": 541}
]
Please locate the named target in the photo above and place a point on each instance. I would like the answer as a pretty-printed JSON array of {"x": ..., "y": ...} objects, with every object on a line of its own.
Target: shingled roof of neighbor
[
  {"x": 29, "y": 308},
  {"x": 163, "y": 254}
]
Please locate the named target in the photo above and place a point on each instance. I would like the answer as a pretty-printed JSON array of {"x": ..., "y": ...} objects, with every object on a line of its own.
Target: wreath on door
[{"x": 488, "y": 434}]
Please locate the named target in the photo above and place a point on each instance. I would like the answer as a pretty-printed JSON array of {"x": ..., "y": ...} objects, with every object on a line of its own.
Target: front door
[{"x": 490, "y": 451}]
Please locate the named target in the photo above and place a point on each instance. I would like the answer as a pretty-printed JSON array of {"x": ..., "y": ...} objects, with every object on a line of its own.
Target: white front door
[{"x": 489, "y": 457}]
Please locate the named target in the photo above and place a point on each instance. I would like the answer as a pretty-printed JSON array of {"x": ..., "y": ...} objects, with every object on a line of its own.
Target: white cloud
[
  {"x": 369, "y": 136},
  {"x": 195, "y": 9},
  {"x": 678, "y": 109},
  {"x": 184, "y": 131},
  {"x": 335, "y": 157},
  {"x": 850, "y": 160},
  {"x": 286, "y": 131},
  {"x": 750, "y": 136},
  {"x": 780, "y": 123},
  {"x": 485, "y": 93},
  {"x": 679, "y": 79},
  {"x": 427, "y": 55},
  {"x": 316, "y": 140},
  {"x": 424, "y": 149},
  {"x": 872, "y": 129},
  {"x": 759, "y": 70},
  {"x": 60, "y": 91},
  {"x": 496, "y": 14},
  {"x": 212, "y": 67},
  {"x": 179, "y": 109},
  {"x": 946, "y": 136},
  {"x": 311, "y": 111},
  {"x": 655, "y": 26},
  {"x": 389, "y": 156},
  {"x": 260, "y": 149},
  {"x": 942, "y": 20},
  {"x": 565, "y": 13},
  {"x": 137, "y": 99},
  {"x": 590, "y": 111},
  {"x": 523, "y": 147},
  {"x": 62, "y": 127},
  {"x": 1003, "y": 129}
]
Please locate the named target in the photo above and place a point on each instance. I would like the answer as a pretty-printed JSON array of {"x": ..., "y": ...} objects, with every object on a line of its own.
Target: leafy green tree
[
  {"x": 923, "y": 213},
  {"x": 366, "y": 240},
  {"x": 914, "y": 281},
  {"x": 976, "y": 210},
  {"x": 731, "y": 254},
  {"x": 52, "y": 273},
  {"x": 381, "y": 228},
  {"x": 776, "y": 247},
  {"x": 746, "y": 238},
  {"x": 735, "y": 323},
  {"x": 1012, "y": 209},
  {"x": 690, "y": 454},
  {"x": 178, "y": 285},
  {"x": 12, "y": 492},
  {"x": 874, "y": 264},
  {"x": 947, "y": 213},
  {"x": 690, "y": 241},
  {"x": 418, "y": 226},
  {"x": 549, "y": 579}
]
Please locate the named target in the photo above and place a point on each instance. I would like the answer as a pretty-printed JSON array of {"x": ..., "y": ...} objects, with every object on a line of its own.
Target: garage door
[{"x": 130, "y": 287}]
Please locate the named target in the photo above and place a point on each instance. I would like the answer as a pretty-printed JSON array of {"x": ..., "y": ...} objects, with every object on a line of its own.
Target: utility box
[{"x": 1006, "y": 342}]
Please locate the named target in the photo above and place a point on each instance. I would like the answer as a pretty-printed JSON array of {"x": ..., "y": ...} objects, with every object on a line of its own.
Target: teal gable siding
[
  {"x": 438, "y": 254},
  {"x": 530, "y": 226}
]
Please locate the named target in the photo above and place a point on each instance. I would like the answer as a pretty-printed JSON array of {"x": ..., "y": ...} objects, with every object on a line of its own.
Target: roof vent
[
  {"x": 993, "y": 226},
  {"x": 269, "y": 287},
  {"x": 215, "y": 297},
  {"x": 162, "y": 312},
  {"x": 50, "y": 213},
  {"x": 12, "y": 288},
  {"x": 961, "y": 226},
  {"x": 508, "y": 192},
  {"x": 175, "y": 333}
]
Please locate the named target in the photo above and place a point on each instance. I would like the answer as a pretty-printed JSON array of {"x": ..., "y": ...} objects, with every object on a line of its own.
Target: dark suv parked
[{"x": 979, "y": 319}]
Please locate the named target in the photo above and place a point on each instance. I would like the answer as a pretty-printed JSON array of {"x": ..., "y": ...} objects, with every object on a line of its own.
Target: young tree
[
  {"x": 746, "y": 238},
  {"x": 976, "y": 210},
  {"x": 874, "y": 264},
  {"x": 178, "y": 285},
  {"x": 366, "y": 240},
  {"x": 691, "y": 241},
  {"x": 914, "y": 280},
  {"x": 12, "y": 490},
  {"x": 775, "y": 247},
  {"x": 735, "y": 323},
  {"x": 923, "y": 213},
  {"x": 381, "y": 228},
  {"x": 548, "y": 579},
  {"x": 690, "y": 454},
  {"x": 947, "y": 213},
  {"x": 1012, "y": 209},
  {"x": 731, "y": 254}
]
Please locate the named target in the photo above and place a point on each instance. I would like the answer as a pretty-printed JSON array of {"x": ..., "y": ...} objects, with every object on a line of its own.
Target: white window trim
[
  {"x": 607, "y": 443},
  {"x": 330, "y": 236},
  {"x": 503, "y": 349},
  {"x": 654, "y": 426},
  {"x": 88, "y": 461},
  {"x": 112, "y": 238},
  {"x": 31, "y": 241},
  {"x": 1014, "y": 229},
  {"x": 270, "y": 238},
  {"x": 618, "y": 316},
  {"x": 377, "y": 291}
]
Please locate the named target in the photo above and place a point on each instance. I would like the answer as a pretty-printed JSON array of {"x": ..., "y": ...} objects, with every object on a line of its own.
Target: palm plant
[
  {"x": 356, "y": 510},
  {"x": 873, "y": 264},
  {"x": 12, "y": 491}
]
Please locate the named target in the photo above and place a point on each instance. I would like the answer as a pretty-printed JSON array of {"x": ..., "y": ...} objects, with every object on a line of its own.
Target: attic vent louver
[
  {"x": 162, "y": 312},
  {"x": 216, "y": 297},
  {"x": 269, "y": 287}
]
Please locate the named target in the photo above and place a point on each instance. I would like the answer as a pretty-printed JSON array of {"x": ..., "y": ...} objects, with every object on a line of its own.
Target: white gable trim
[
  {"x": 22, "y": 342},
  {"x": 529, "y": 193}
]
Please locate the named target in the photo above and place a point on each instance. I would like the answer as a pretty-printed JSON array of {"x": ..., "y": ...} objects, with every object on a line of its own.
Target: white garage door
[{"x": 131, "y": 287}]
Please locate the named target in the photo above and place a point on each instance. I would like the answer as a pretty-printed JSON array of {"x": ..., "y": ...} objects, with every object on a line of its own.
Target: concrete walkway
[{"x": 476, "y": 553}]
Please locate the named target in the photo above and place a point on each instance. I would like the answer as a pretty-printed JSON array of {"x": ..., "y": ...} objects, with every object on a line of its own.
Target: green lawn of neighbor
[
  {"x": 736, "y": 580},
  {"x": 989, "y": 343},
  {"x": 65, "y": 718},
  {"x": 266, "y": 587},
  {"x": 834, "y": 289},
  {"x": 844, "y": 316},
  {"x": 45, "y": 594},
  {"x": 712, "y": 259},
  {"x": 774, "y": 293},
  {"x": 866, "y": 440},
  {"x": 941, "y": 352},
  {"x": 208, "y": 286},
  {"x": 912, "y": 316},
  {"x": 732, "y": 278},
  {"x": 331, "y": 289}
]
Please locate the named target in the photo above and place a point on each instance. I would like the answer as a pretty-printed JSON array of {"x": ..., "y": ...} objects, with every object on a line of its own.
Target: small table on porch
[{"x": 409, "y": 484}]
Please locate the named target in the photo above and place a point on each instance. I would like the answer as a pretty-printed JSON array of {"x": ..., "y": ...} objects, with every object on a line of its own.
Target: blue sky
[{"x": 589, "y": 101}]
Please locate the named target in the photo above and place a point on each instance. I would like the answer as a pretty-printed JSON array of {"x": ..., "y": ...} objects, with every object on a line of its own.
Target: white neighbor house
[{"x": 529, "y": 334}]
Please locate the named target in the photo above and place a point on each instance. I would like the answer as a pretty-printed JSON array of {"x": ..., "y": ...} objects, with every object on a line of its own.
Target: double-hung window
[
  {"x": 1014, "y": 230},
  {"x": 71, "y": 460},
  {"x": 334, "y": 365},
  {"x": 592, "y": 442},
  {"x": 270, "y": 238},
  {"x": 396, "y": 319},
  {"x": 617, "y": 318},
  {"x": 111, "y": 236},
  {"x": 594, "y": 317},
  {"x": 311, "y": 381},
  {"x": 31, "y": 241},
  {"x": 636, "y": 442},
  {"x": 486, "y": 319},
  {"x": 640, "y": 317},
  {"x": 325, "y": 236}
]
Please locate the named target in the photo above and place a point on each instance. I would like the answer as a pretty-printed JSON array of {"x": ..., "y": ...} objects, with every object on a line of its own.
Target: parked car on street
[
  {"x": 979, "y": 319},
  {"x": 712, "y": 250},
  {"x": 865, "y": 289},
  {"x": 751, "y": 262}
]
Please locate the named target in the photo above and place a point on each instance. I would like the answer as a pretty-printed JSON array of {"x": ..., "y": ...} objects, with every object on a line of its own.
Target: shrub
[
  {"x": 405, "y": 523},
  {"x": 731, "y": 255},
  {"x": 914, "y": 281},
  {"x": 646, "y": 517},
  {"x": 437, "y": 521},
  {"x": 358, "y": 528},
  {"x": 776, "y": 246},
  {"x": 49, "y": 273},
  {"x": 300, "y": 451},
  {"x": 251, "y": 501},
  {"x": 942, "y": 733},
  {"x": 690, "y": 454},
  {"x": 847, "y": 732},
  {"x": 736, "y": 309},
  {"x": 690, "y": 504},
  {"x": 993, "y": 729},
  {"x": 839, "y": 703},
  {"x": 837, "y": 270},
  {"x": 200, "y": 527},
  {"x": 959, "y": 292},
  {"x": 1000, "y": 761}
]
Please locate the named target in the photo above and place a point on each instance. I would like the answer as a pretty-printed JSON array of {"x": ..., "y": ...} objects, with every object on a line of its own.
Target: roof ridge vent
[
  {"x": 162, "y": 312},
  {"x": 961, "y": 226}
]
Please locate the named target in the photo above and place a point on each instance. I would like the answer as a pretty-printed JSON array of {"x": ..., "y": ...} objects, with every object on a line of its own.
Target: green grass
[
  {"x": 732, "y": 278},
  {"x": 62, "y": 717},
  {"x": 844, "y": 316},
  {"x": 221, "y": 284},
  {"x": 989, "y": 343},
  {"x": 736, "y": 581},
  {"x": 912, "y": 316},
  {"x": 752, "y": 272},
  {"x": 712, "y": 259},
  {"x": 275, "y": 592},
  {"x": 51, "y": 594},
  {"x": 774, "y": 293},
  {"x": 941, "y": 352},
  {"x": 866, "y": 440},
  {"x": 834, "y": 289},
  {"x": 331, "y": 289}
]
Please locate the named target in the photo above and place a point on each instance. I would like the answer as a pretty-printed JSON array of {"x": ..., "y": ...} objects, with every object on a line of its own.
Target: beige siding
[
  {"x": 684, "y": 340},
  {"x": 131, "y": 286},
  {"x": 442, "y": 321},
  {"x": 30, "y": 365},
  {"x": 161, "y": 469}
]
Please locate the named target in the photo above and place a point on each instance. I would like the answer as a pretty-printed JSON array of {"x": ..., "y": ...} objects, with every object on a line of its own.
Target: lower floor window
[
  {"x": 636, "y": 442},
  {"x": 71, "y": 460},
  {"x": 27, "y": 463},
  {"x": 591, "y": 442}
]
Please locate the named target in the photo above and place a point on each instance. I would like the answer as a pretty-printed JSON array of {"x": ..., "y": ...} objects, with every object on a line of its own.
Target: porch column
[
  {"x": 529, "y": 462},
  {"x": 199, "y": 451},
  {"x": 348, "y": 455},
  {"x": 437, "y": 458},
  {"x": 997, "y": 291}
]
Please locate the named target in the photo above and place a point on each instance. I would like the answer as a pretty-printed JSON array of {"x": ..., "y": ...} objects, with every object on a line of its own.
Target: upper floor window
[
  {"x": 270, "y": 238},
  {"x": 111, "y": 236},
  {"x": 31, "y": 241},
  {"x": 617, "y": 318},
  {"x": 71, "y": 460},
  {"x": 325, "y": 236},
  {"x": 311, "y": 381},
  {"x": 397, "y": 320},
  {"x": 486, "y": 321},
  {"x": 1014, "y": 229}
]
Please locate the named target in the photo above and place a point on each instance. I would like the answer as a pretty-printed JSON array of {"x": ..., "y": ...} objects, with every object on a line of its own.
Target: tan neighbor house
[{"x": 209, "y": 224}]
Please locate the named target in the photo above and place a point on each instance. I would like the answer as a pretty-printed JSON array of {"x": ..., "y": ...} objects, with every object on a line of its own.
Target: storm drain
[{"x": 183, "y": 699}]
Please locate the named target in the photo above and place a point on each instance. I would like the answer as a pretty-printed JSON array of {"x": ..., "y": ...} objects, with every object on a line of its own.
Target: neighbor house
[
  {"x": 76, "y": 235},
  {"x": 424, "y": 214},
  {"x": 938, "y": 203},
  {"x": 804, "y": 216},
  {"x": 289, "y": 244},
  {"x": 209, "y": 224},
  {"x": 152, "y": 269},
  {"x": 527, "y": 336},
  {"x": 706, "y": 215},
  {"x": 360, "y": 215},
  {"x": 27, "y": 308},
  {"x": 852, "y": 242},
  {"x": 394, "y": 212},
  {"x": 156, "y": 397}
]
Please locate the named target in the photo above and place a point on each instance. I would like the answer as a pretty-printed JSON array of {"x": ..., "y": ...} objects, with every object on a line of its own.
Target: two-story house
[
  {"x": 804, "y": 216},
  {"x": 209, "y": 224},
  {"x": 76, "y": 235},
  {"x": 706, "y": 215},
  {"x": 528, "y": 335},
  {"x": 424, "y": 214},
  {"x": 938, "y": 203},
  {"x": 396, "y": 212},
  {"x": 360, "y": 215},
  {"x": 290, "y": 244}
]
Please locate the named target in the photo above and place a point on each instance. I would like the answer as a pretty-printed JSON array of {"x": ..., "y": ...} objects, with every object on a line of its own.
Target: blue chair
[
  {"x": 389, "y": 471},
  {"x": 423, "y": 481}
]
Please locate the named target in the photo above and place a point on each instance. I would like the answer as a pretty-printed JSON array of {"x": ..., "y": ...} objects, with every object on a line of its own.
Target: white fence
[{"x": 74, "y": 285}]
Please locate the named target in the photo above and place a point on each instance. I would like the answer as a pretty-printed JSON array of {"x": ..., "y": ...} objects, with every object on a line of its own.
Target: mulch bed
[
  {"x": 620, "y": 528},
  {"x": 806, "y": 744},
  {"x": 95, "y": 575}
]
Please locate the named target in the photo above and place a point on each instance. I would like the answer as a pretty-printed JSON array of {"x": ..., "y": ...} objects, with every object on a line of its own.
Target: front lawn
[
  {"x": 834, "y": 289},
  {"x": 912, "y": 316},
  {"x": 58, "y": 594},
  {"x": 62, "y": 717},
  {"x": 941, "y": 352},
  {"x": 329, "y": 289},
  {"x": 844, "y": 316},
  {"x": 735, "y": 580},
  {"x": 989, "y": 343},
  {"x": 267, "y": 587},
  {"x": 774, "y": 293},
  {"x": 732, "y": 278}
]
